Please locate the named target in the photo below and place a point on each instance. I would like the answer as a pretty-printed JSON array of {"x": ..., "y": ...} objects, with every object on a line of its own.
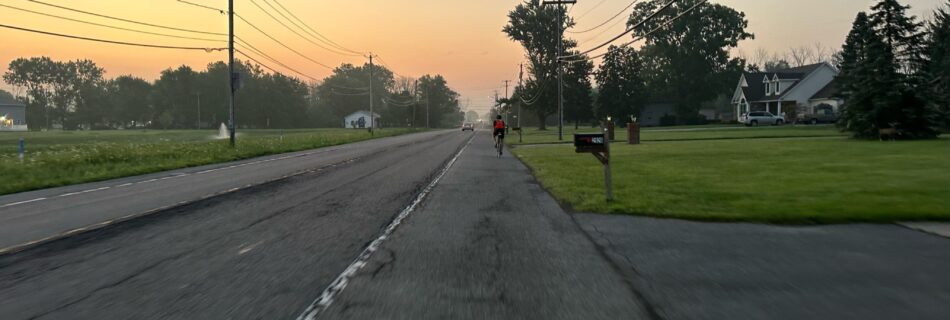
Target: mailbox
[{"x": 589, "y": 143}]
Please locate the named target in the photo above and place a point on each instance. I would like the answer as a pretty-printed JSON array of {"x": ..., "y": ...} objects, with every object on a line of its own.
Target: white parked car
[{"x": 762, "y": 117}]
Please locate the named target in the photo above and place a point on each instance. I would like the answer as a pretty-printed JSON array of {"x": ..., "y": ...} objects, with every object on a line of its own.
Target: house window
[{"x": 768, "y": 88}]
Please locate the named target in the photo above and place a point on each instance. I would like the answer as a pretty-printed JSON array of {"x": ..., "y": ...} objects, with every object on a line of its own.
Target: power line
[
  {"x": 605, "y": 22},
  {"x": 308, "y": 33},
  {"x": 204, "y": 6},
  {"x": 125, "y": 20},
  {"x": 294, "y": 31},
  {"x": 647, "y": 19},
  {"x": 582, "y": 15},
  {"x": 257, "y": 62},
  {"x": 281, "y": 43},
  {"x": 348, "y": 94},
  {"x": 112, "y": 41},
  {"x": 641, "y": 37},
  {"x": 108, "y": 26},
  {"x": 315, "y": 31},
  {"x": 248, "y": 46}
]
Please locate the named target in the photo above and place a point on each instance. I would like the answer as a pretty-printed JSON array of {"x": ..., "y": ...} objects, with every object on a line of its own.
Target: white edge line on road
[
  {"x": 338, "y": 284},
  {"x": 22, "y": 202}
]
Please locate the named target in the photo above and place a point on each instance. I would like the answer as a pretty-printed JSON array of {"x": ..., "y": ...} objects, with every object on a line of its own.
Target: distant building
[
  {"x": 653, "y": 114},
  {"x": 798, "y": 91},
  {"x": 12, "y": 115},
  {"x": 360, "y": 119}
]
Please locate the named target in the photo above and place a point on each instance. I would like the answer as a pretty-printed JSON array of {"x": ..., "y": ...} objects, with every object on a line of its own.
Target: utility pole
[
  {"x": 372, "y": 116},
  {"x": 414, "y": 104},
  {"x": 507, "y": 106},
  {"x": 427, "y": 105},
  {"x": 520, "y": 101},
  {"x": 199, "y": 110},
  {"x": 497, "y": 105},
  {"x": 231, "y": 68},
  {"x": 560, "y": 71}
]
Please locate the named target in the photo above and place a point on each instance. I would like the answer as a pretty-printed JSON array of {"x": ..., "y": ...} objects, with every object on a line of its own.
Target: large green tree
[
  {"x": 535, "y": 27},
  {"x": 622, "y": 91},
  {"x": 688, "y": 61}
]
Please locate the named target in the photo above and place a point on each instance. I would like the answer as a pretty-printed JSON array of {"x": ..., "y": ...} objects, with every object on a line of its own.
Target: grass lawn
[
  {"x": 58, "y": 158},
  {"x": 803, "y": 180},
  {"x": 535, "y": 136}
]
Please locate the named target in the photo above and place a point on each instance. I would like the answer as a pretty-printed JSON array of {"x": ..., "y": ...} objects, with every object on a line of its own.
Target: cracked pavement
[{"x": 488, "y": 243}]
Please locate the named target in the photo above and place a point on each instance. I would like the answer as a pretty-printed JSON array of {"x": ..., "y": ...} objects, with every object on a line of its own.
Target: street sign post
[{"x": 598, "y": 145}]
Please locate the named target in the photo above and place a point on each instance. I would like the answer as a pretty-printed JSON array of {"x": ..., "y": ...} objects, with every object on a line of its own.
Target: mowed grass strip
[
  {"x": 63, "y": 158},
  {"x": 534, "y": 136},
  {"x": 761, "y": 180}
]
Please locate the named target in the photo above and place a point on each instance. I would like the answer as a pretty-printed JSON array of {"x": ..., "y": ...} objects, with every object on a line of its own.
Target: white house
[
  {"x": 801, "y": 90},
  {"x": 360, "y": 119},
  {"x": 12, "y": 115}
]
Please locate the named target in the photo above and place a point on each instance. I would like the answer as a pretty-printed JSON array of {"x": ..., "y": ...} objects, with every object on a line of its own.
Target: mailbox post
[{"x": 598, "y": 145}]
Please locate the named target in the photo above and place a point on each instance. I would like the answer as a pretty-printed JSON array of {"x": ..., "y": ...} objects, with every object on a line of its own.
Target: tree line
[
  {"x": 76, "y": 95},
  {"x": 686, "y": 63},
  {"x": 897, "y": 80}
]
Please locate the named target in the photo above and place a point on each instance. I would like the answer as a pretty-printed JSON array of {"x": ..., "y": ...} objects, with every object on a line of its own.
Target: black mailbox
[{"x": 589, "y": 143}]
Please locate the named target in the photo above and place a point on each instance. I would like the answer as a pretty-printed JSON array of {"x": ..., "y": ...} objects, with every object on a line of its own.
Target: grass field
[
  {"x": 59, "y": 158},
  {"x": 713, "y": 132},
  {"x": 796, "y": 180}
]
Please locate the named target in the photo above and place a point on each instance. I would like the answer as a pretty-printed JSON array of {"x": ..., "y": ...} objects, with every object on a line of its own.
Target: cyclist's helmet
[{"x": 498, "y": 117}]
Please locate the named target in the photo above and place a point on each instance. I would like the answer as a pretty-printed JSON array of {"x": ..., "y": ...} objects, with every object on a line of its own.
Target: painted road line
[
  {"x": 21, "y": 202},
  {"x": 338, "y": 284}
]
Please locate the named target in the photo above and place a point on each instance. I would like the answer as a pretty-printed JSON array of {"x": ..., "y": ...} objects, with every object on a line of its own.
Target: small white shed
[{"x": 360, "y": 119}]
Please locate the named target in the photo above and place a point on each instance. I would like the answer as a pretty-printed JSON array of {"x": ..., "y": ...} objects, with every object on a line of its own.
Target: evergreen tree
[
  {"x": 881, "y": 76},
  {"x": 937, "y": 62}
]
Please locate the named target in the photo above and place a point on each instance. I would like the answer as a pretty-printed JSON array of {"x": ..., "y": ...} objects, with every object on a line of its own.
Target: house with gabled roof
[{"x": 795, "y": 91}]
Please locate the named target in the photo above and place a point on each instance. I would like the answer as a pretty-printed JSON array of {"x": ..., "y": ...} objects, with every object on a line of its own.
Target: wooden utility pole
[
  {"x": 372, "y": 116},
  {"x": 231, "y": 74},
  {"x": 507, "y": 105},
  {"x": 520, "y": 98}
]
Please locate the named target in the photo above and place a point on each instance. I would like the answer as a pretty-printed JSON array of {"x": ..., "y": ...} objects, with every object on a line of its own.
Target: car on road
[
  {"x": 756, "y": 118},
  {"x": 468, "y": 126}
]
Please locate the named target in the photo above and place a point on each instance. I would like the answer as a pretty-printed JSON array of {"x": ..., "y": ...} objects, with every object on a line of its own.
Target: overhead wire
[
  {"x": 125, "y": 20},
  {"x": 642, "y": 36},
  {"x": 109, "y": 26},
  {"x": 250, "y": 47},
  {"x": 204, "y": 6},
  {"x": 323, "y": 39},
  {"x": 281, "y": 43},
  {"x": 629, "y": 29},
  {"x": 582, "y": 15},
  {"x": 294, "y": 31},
  {"x": 315, "y": 31},
  {"x": 607, "y": 21},
  {"x": 147, "y": 45}
]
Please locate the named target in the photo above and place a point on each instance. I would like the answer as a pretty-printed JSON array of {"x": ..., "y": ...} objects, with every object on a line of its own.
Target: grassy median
[
  {"x": 58, "y": 158},
  {"x": 797, "y": 180}
]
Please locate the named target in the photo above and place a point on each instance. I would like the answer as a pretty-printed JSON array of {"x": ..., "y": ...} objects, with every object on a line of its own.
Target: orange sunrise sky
[{"x": 462, "y": 40}]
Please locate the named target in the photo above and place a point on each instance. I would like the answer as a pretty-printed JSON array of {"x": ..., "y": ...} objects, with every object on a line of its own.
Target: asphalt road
[
  {"x": 693, "y": 270},
  {"x": 38, "y": 215},
  {"x": 488, "y": 243},
  {"x": 261, "y": 252}
]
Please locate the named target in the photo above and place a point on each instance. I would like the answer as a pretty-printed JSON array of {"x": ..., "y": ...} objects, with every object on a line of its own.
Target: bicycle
[{"x": 500, "y": 143}]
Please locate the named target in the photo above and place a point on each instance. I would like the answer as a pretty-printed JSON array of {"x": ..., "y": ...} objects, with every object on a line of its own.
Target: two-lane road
[
  {"x": 261, "y": 252},
  {"x": 30, "y": 217}
]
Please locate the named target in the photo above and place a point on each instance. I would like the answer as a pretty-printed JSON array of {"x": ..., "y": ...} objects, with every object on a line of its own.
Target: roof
[
  {"x": 829, "y": 91},
  {"x": 803, "y": 69},
  {"x": 363, "y": 112},
  {"x": 4, "y": 101},
  {"x": 756, "y": 89}
]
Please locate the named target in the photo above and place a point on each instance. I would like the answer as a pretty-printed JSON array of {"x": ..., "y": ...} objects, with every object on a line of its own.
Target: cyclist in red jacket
[{"x": 499, "y": 131}]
